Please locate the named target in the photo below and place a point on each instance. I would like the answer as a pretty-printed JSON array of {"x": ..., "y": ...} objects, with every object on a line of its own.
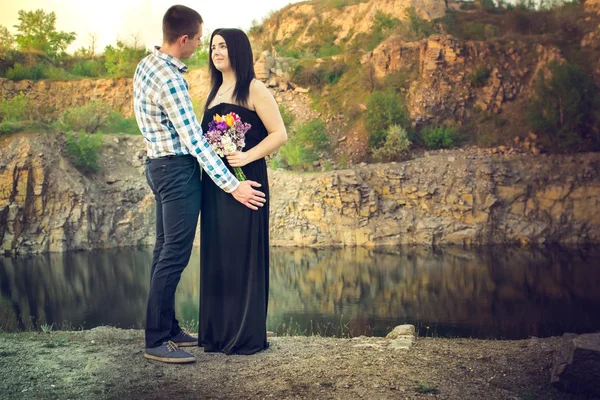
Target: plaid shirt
[{"x": 164, "y": 113}]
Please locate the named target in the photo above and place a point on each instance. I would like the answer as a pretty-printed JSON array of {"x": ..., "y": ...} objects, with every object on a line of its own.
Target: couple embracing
[{"x": 185, "y": 173}]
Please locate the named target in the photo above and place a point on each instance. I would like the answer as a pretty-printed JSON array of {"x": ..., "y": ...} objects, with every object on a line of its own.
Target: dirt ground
[{"x": 108, "y": 363}]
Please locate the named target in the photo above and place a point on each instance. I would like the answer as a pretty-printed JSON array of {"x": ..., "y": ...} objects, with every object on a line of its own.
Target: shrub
[
  {"x": 287, "y": 116},
  {"x": 564, "y": 105},
  {"x": 19, "y": 72},
  {"x": 396, "y": 143},
  {"x": 116, "y": 123},
  {"x": 384, "y": 109},
  {"x": 83, "y": 150},
  {"x": 88, "y": 118},
  {"x": 14, "y": 109},
  {"x": 88, "y": 68},
  {"x": 441, "y": 137},
  {"x": 121, "y": 61},
  {"x": 480, "y": 76},
  {"x": 420, "y": 27},
  {"x": 304, "y": 146}
]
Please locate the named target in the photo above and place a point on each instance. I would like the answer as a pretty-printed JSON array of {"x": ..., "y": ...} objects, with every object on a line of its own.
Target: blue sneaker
[
  {"x": 169, "y": 352},
  {"x": 184, "y": 339}
]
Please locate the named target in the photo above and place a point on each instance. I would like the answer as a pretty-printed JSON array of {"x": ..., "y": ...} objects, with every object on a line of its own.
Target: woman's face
[{"x": 219, "y": 54}]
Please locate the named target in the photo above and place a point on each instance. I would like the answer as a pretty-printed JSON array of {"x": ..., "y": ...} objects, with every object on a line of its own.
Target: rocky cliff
[
  {"x": 459, "y": 197},
  {"x": 53, "y": 97},
  {"x": 299, "y": 22}
]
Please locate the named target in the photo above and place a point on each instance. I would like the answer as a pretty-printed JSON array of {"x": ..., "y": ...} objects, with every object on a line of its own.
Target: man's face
[{"x": 191, "y": 43}]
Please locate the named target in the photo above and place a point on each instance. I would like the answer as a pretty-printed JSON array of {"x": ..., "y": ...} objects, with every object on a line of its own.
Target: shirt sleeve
[{"x": 175, "y": 99}]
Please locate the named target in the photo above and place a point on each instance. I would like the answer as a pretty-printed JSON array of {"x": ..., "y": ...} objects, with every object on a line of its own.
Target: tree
[
  {"x": 37, "y": 33},
  {"x": 7, "y": 41}
]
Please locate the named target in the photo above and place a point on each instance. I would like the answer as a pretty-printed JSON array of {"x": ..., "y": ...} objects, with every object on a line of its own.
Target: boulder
[{"x": 576, "y": 364}]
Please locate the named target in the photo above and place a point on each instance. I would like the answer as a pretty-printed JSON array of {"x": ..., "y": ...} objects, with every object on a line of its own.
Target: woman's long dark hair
[{"x": 242, "y": 63}]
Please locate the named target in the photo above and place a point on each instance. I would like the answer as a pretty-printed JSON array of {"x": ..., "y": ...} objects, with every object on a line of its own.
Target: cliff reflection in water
[{"x": 490, "y": 292}]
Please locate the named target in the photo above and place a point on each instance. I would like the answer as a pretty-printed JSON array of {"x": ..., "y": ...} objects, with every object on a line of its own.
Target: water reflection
[{"x": 488, "y": 292}]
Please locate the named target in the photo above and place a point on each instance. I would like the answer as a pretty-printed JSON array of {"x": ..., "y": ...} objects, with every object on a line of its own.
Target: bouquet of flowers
[{"x": 226, "y": 135}]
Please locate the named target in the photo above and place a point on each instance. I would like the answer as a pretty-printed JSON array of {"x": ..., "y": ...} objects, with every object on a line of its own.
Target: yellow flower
[
  {"x": 218, "y": 118},
  {"x": 229, "y": 120}
]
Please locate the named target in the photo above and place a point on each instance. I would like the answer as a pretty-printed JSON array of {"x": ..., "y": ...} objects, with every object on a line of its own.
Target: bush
[
  {"x": 384, "y": 109},
  {"x": 83, "y": 149},
  {"x": 304, "y": 146},
  {"x": 14, "y": 109},
  {"x": 396, "y": 143},
  {"x": 287, "y": 116},
  {"x": 88, "y": 69},
  {"x": 441, "y": 137},
  {"x": 564, "y": 106},
  {"x": 420, "y": 27},
  {"x": 88, "y": 118},
  {"x": 121, "y": 61},
  {"x": 19, "y": 72},
  {"x": 116, "y": 123},
  {"x": 480, "y": 76}
]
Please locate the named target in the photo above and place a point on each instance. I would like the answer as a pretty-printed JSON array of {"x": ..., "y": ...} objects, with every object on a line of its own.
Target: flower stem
[{"x": 239, "y": 174}]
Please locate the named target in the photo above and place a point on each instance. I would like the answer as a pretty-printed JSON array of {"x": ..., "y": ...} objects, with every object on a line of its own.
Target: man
[{"x": 175, "y": 146}]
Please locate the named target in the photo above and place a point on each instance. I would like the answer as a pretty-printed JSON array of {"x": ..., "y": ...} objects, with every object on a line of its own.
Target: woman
[{"x": 234, "y": 250}]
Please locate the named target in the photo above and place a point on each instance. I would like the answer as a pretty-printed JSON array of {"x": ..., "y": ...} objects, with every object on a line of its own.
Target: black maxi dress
[{"x": 234, "y": 255}]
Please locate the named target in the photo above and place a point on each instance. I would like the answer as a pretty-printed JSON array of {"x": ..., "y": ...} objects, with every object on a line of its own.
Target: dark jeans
[{"x": 175, "y": 182}]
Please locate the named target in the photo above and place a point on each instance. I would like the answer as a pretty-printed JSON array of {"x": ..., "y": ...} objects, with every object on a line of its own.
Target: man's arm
[{"x": 176, "y": 103}]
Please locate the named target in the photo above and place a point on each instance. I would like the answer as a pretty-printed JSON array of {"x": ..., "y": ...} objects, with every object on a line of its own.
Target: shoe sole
[
  {"x": 186, "y": 344},
  {"x": 170, "y": 360}
]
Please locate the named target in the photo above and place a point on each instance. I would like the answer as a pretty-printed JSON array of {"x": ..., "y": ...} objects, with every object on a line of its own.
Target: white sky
[{"x": 112, "y": 19}]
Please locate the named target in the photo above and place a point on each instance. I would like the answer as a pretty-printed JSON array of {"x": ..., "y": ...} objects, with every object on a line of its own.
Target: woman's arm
[{"x": 268, "y": 111}]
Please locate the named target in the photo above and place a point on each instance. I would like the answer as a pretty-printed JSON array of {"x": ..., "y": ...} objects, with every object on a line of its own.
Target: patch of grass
[
  {"x": 426, "y": 387},
  {"x": 8, "y": 353},
  {"x": 54, "y": 343},
  {"x": 47, "y": 328},
  {"x": 440, "y": 137}
]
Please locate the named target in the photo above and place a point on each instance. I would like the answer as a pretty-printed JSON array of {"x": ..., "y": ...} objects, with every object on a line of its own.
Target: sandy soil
[{"x": 108, "y": 363}]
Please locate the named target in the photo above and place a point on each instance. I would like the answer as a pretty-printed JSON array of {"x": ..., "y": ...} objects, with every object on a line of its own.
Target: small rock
[
  {"x": 41, "y": 155},
  {"x": 401, "y": 330},
  {"x": 116, "y": 140}
]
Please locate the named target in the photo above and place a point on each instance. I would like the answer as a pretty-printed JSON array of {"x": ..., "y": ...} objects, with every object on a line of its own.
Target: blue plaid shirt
[{"x": 164, "y": 113}]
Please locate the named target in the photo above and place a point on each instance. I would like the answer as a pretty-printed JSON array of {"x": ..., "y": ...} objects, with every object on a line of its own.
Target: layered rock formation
[
  {"x": 449, "y": 198},
  {"x": 47, "y": 205},
  {"x": 466, "y": 198},
  {"x": 53, "y": 97},
  {"x": 299, "y": 22},
  {"x": 444, "y": 90}
]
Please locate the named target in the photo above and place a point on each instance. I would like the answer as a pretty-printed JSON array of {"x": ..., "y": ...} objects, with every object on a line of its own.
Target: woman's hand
[{"x": 238, "y": 159}]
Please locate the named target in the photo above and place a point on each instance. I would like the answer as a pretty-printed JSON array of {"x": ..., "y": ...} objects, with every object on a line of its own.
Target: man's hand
[{"x": 248, "y": 196}]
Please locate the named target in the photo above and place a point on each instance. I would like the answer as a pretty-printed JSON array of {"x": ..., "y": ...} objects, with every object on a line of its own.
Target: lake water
[{"x": 493, "y": 292}]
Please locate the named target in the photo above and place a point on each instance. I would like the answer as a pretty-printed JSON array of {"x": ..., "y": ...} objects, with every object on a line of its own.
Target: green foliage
[
  {"x": 384, "y": 109},
  {"x": 287, "y": 116},
  {"x": 480, "y": 76},
  {"x": 303, "y": 147},
  {"x": 84, "y": 151},
  {"x": 116, "y": 123},
  {"x": 396, "y": 143},
  {"x": 564, "y": 106},
  {"x": 487, "y": 5},
  {"x": 420, "y": 27},
  {"x": 317, "y": 76},
  {"x": 383, "y": 26},
  {"x": 121, "y": 61},
  {"x": 19, "y": 72},
  {"x": 441, "y": 137},
  {"x": 37, "y": 32},
  {"x": 89, "y": 118},
  {"x": 88, "y": 68},
  {"x": 7, "y": 42},
  {"x": 14, "y": 110},
  {"x": 478, "y": 31},
  {"x": 324, "y": 34},
  {"x": 426, "y": 387},
  {"x": 200, "y": 57}
]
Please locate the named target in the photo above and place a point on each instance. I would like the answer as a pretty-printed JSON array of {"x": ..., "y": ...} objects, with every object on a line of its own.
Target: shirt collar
[{"x": 170, "y": 59}]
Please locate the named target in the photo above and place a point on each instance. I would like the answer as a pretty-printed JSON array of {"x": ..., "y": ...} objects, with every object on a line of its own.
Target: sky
[{"x": 110, "y": 20}]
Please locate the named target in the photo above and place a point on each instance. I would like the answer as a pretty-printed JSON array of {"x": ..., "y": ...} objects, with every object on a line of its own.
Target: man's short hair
[{"x": 179, "y": 21}]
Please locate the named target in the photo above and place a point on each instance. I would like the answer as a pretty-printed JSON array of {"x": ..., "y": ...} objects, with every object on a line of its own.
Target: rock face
[
  {"x": 576, "y": 365},
  {"x": 301, "y": 22},
  {"x": 47, "y": 205},
  {"x": 448, "y": 198},
  {"x": 444, "y": 90},
  {"x": 53, "y": 97}
]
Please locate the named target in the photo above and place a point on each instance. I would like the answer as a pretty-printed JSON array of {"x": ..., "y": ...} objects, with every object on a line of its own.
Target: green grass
[
  {"x": 54, "y": 343},
  {"x": 426, "y": 387}
]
